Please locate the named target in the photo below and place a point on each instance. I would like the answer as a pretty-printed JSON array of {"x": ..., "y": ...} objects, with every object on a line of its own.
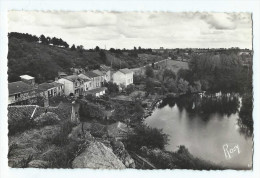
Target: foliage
[
  {"x": 45, "y": 119},
  {"x": 130, "y": 88},
  {"x": 246, "y": 113},
  {"x": 20, "y": 124},
  {"x": 73, "y": 47},
  {"x": 181, "y": 159},
  {"x": 62, "y": 157},
  {"x": 111, "y": 87},
  {"x": 149, "y": 86},
  {"x": 168, "y": 73},
  {"x": 183, "y": 86},
  {"x": 149, "y": 72},
  {"x": 62, "y": 137},
  {"x": 146, "y": 136},
  {"x": 126, "y": 111}
]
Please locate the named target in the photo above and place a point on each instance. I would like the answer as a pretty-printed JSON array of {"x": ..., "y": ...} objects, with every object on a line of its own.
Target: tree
[
  {"x": 103, "y": 56},
  {"x": 73, "y": 48},
  {"x": 111, "y": 87},
  {"x": 149, "y": 72},
  {"x": 149, "y": 86},
  {"x": 97, "y": 48},
  {"x": 146, "y": 136},
  {"x": 130, "y": 88},
  {"x": 80, "y": 48},
  {"x": 43, "y": 39},
  {"x": 183, "y": 86},
  {"x": 168, "y": 73},
  {"x": 84, "y": 116}
]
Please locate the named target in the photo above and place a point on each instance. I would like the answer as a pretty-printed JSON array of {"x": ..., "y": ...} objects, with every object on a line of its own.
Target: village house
[
  {"x": 73, "y": 85},
  {"x": 52, "y": 89},
  {"x": 123, "y": 77},
  {"x": 22, "y": 92},
  {"x": 95, "y": 79},
  {"x": 102, "y": 76},
  {"x": 106, "y": 71},
  {"x": 87, "y": 82},
  {"x": 97, "y": 92}
]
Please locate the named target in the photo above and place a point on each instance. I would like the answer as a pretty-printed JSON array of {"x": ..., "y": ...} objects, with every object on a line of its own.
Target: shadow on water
[{"x": 223, "y": 105}]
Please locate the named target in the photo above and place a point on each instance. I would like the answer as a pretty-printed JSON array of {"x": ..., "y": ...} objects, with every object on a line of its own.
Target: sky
[{"x": 145, "y": 29}]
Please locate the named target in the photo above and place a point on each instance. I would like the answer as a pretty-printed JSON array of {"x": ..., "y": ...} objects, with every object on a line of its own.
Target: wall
[
  {"x": 119, "y": 78},
  {"x": 68, "y": 86}
]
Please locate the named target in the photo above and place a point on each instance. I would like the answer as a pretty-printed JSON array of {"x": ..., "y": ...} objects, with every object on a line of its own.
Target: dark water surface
[{"x": 204, "y": 125}]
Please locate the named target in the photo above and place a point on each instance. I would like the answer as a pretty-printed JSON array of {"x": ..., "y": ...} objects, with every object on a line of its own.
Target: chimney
[{"x": 28, "y": 79}]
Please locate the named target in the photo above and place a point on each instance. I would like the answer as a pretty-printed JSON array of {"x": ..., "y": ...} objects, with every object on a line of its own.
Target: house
[
  {"x": 22, "y": 92},
  {"x": 73, "y": 85},
  {"x": 52, "y": 89},
  {"x": 87, "y": 82},
  {"x": 62, "y": 74},
  {"x": 107, "y": 72},
  {"x": 101, "y": 76},
  {"x": 123, "y": 77},
  {"x": 97, "y": 92},
  {"x": 95, "y": 79}
]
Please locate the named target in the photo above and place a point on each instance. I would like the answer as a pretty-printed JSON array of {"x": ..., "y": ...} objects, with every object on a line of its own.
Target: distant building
[
  {"x": 62, "y": 74},
  {"x": 123, "y": 77},
  {"x": 101, "y": 77},
  {"x": 95, "y": 79},
  {"x": 52, "y": 89},
  {"x": 73, "y": 85},
  {"x": 107, "y": 71},
  {"x": 87, "y": 82},
  {"x": 96, "y": 92},
  {"x": 22, "y": 92}
]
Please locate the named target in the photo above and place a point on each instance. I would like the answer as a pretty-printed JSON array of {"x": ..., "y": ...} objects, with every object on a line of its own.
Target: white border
[{"x": 124, "y": 5}]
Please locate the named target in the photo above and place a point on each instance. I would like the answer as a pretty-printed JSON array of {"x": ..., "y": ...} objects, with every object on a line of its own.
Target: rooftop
[
  {"x": 91, "y": 74},
  {"x": 96, "y": 90},
  {"x": 46, "y": 86},
  {"x": 98, "y": 72},
  {"x": 125, "y": 71},
  {"x": 27, "y": 77},
  {"x": 19, "y": 87},
  {"x": 105, "y": 68},
  {"x": 73, "y": 78},
  {"x": 84, "y": 77}
]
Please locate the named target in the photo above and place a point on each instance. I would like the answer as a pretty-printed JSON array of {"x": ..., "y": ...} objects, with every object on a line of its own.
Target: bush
[
  {"x": 130, "y": 88},
  {"x": 48, "y": 118},
  {"x": 146, "y": 136},
  {"x": 62, "y": 138},
  {"x": 20, "y": 124}
]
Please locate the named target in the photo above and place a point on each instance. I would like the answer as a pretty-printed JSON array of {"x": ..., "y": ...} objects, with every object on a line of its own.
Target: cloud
[
  {"x": 146, "y": 29},
  {"x": 220, "y": 21}
]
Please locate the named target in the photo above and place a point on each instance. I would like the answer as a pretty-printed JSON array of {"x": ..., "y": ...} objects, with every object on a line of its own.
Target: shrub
[
  {"x": 62, "y": 137},
  {"x": 20, "y": 124},
  {"x": 48, "y": 118},
  {"x": 146, "y": 136}
]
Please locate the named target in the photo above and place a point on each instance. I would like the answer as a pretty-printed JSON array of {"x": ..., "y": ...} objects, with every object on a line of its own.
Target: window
[{"x": 16, "y": 96}]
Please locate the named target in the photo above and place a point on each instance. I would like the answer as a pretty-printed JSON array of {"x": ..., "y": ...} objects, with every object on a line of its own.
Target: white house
[
  {"x": 73, "y": 85},
  {"x": 123, "y": 77}
]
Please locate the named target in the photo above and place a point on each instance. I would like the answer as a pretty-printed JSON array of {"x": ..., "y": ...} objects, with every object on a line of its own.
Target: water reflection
[
  {"x": 206, "y": 105},
  {"x": 204, "y": 123}
]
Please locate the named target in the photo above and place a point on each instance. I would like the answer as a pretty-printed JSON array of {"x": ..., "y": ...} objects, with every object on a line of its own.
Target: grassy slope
[{"x": 44, "y": 61}]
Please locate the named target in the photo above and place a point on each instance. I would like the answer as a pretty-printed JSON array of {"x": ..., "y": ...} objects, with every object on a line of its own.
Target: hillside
[{"x": 44, "y": 61}]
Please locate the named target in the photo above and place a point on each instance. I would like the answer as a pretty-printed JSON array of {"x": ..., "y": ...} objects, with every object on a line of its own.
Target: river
[{"x": 204, "y": 125}]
